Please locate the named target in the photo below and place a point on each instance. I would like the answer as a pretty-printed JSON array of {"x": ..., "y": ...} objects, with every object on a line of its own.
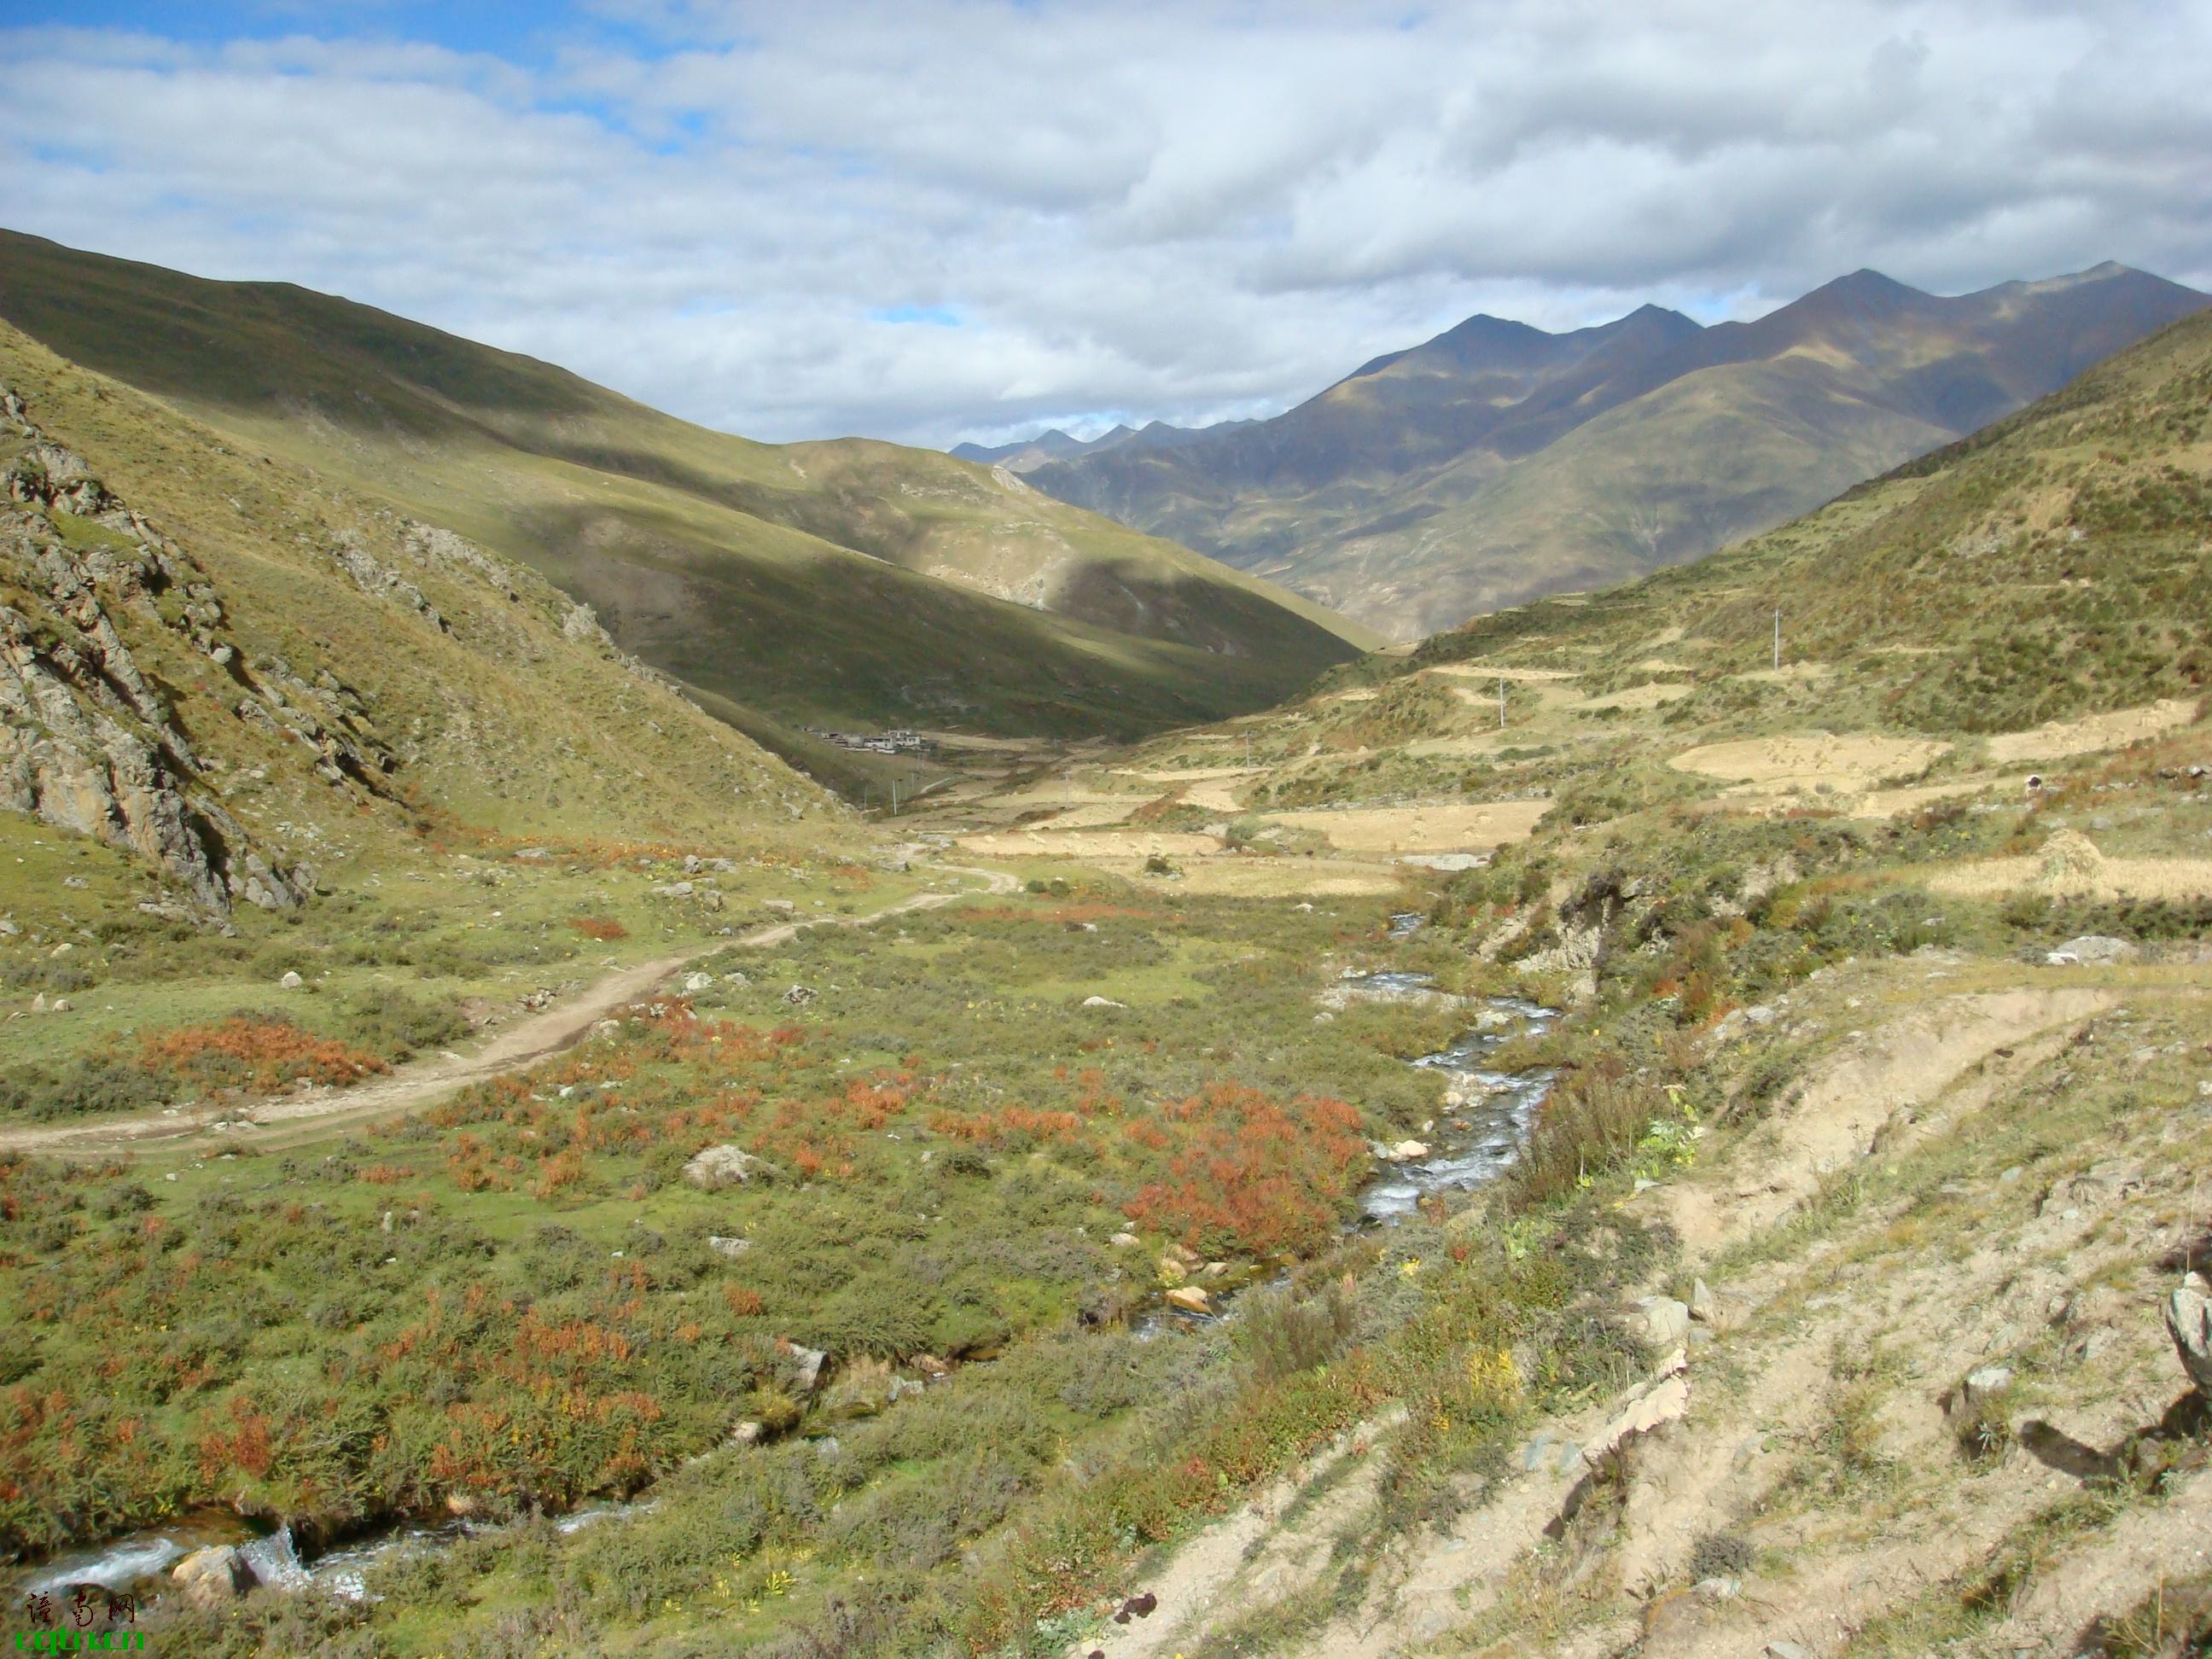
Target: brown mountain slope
[{"x": 1497, "y": 463}]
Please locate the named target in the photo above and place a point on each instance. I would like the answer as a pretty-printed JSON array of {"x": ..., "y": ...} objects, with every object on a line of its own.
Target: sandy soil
[
  {"x": 2092, "y": 733},
  {"x": 1441, "y": 828},
  {"x": 284, "y": 1120},
  {"x": 1851, "y": 761}
]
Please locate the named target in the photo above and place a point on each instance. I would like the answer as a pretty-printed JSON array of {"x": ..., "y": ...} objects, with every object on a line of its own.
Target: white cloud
[{"x": 1158, "y": 209}]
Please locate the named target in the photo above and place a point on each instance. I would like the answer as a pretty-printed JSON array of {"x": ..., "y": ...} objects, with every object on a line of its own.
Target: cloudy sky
[{"x": 937, "y": 219}]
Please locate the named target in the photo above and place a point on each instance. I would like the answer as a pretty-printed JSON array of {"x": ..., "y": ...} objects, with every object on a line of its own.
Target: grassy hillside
[
  {"x": 846, "y": 583},
  {"x": 1498, "y": 463},
  {"x": 913, "y": 1385}
]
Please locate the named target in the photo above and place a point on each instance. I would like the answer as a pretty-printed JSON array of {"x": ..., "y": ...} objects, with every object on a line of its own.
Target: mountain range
[
  {"x": 843, "y": 583},
  {"x": 1026, "y": 454},
  {"x": 1498, "y": 463}
]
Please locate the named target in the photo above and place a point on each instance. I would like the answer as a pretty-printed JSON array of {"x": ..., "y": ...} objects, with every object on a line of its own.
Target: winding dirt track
[{"x": 282, "y": 1121}]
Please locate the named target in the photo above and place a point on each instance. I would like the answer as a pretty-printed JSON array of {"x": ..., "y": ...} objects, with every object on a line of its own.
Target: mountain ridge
[
  {"x": 838, "y": 583},
  {"x": 1390, "y": 495}
]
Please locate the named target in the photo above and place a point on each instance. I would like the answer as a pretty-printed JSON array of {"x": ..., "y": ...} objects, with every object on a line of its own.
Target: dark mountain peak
[{"x": 1867, "y": 282}]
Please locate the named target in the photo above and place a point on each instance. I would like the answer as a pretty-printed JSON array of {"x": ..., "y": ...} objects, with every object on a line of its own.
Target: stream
[{"x": 1479, "y": 1131}]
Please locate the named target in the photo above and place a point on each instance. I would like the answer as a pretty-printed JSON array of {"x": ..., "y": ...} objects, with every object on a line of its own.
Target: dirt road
[{"x": 282, "y": 1121}]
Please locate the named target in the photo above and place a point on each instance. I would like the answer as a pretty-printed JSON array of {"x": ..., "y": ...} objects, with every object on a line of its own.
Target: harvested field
[
  {"x": 1896, "y": 803},
  {"x": 2091, "y": 732},
  {"x": 1087, "y": 844},
  {"x": 1456, "y": 828},
  {"x": 1852, "y": 762},
  {"x": 1651, "y": 695},
  {"x": 1242, "y": 877},
  {"x": 1470, "y": 670}
]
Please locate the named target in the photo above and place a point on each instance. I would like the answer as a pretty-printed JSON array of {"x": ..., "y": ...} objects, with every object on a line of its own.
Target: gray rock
[
  {"x": 799, "y": 995},
  {"x": 1705, "y": 1306},
  {"x": 731, "y": 1247},
  {"x": 1787, "y": 1651},
  {"x": 695, "y": 983},
  {"x": 2189, "y": 1321},
  {"x": 291, "y": 982},
  {"x": 715, "y": 1167},
  {"x": 811, "y": 1361},
  {"x": 2090, "y": 950},
  {"x": 673, "y": 889},
  {"x": 1661, "y": 1320},
  {"x": 1984, "y": 1382}
]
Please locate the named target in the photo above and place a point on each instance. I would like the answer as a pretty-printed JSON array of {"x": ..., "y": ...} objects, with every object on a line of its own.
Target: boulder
[
  {"x": 1705, "y": 1306},
  {"x": 1102, "y": 1002},
  {"x": 721, "y": 1166},
  {"x": 1190, "y": 1298},
  {"x": 1122, "y": 1241},
  {"x": 1405, "y": 1149},
  {"x": 1661, "y": 1320},
  {"x": 211, "y": 1576},
  {"x": 2189, "y": 1320},
  {"x": 1984, "y": 1382},
  {"x": 799, "y": 995},
  {"x": 732, "y": 1248},
  {"x": 929, "y": 1365},
  {"x": 291, "y": 982},
  {"x": 748, "y": 1433},
  {"x": 2090, "y": 950},
  {"x": 1172, "y": 1272},
  {"x": 811, "y": 1361}
]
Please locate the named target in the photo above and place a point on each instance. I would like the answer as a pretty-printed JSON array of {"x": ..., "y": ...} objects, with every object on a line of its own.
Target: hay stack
[{"x": 2070, "y": 864}]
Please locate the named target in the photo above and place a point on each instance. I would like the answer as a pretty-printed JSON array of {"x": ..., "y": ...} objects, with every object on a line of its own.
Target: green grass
[{"x": 801, "y": 584}]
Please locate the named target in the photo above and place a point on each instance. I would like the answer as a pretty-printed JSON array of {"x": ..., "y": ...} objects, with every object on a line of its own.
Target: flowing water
[{"x": 1482, "y": 1128}]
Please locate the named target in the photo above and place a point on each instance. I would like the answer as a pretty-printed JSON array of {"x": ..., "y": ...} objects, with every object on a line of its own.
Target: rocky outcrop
[
  {"x": 2189, "y": 1321},
  {"x": 79, "y": 769},
  {"x": 88, "y": 742},
  {"x": 349, "y": 549}
]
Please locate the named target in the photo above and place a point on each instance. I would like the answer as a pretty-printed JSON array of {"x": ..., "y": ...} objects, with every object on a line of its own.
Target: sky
[{"x": 933, "y": 220}]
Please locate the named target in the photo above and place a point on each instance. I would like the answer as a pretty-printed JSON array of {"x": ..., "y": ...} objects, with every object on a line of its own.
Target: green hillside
[{"x": 845, "y": 583}]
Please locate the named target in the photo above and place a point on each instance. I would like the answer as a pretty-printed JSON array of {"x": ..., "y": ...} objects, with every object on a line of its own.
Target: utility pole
[
  {"x": 1777, "y": 638},
  {"x": 1501, "y": 702},
  {"x": 894, "y": 797}
]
